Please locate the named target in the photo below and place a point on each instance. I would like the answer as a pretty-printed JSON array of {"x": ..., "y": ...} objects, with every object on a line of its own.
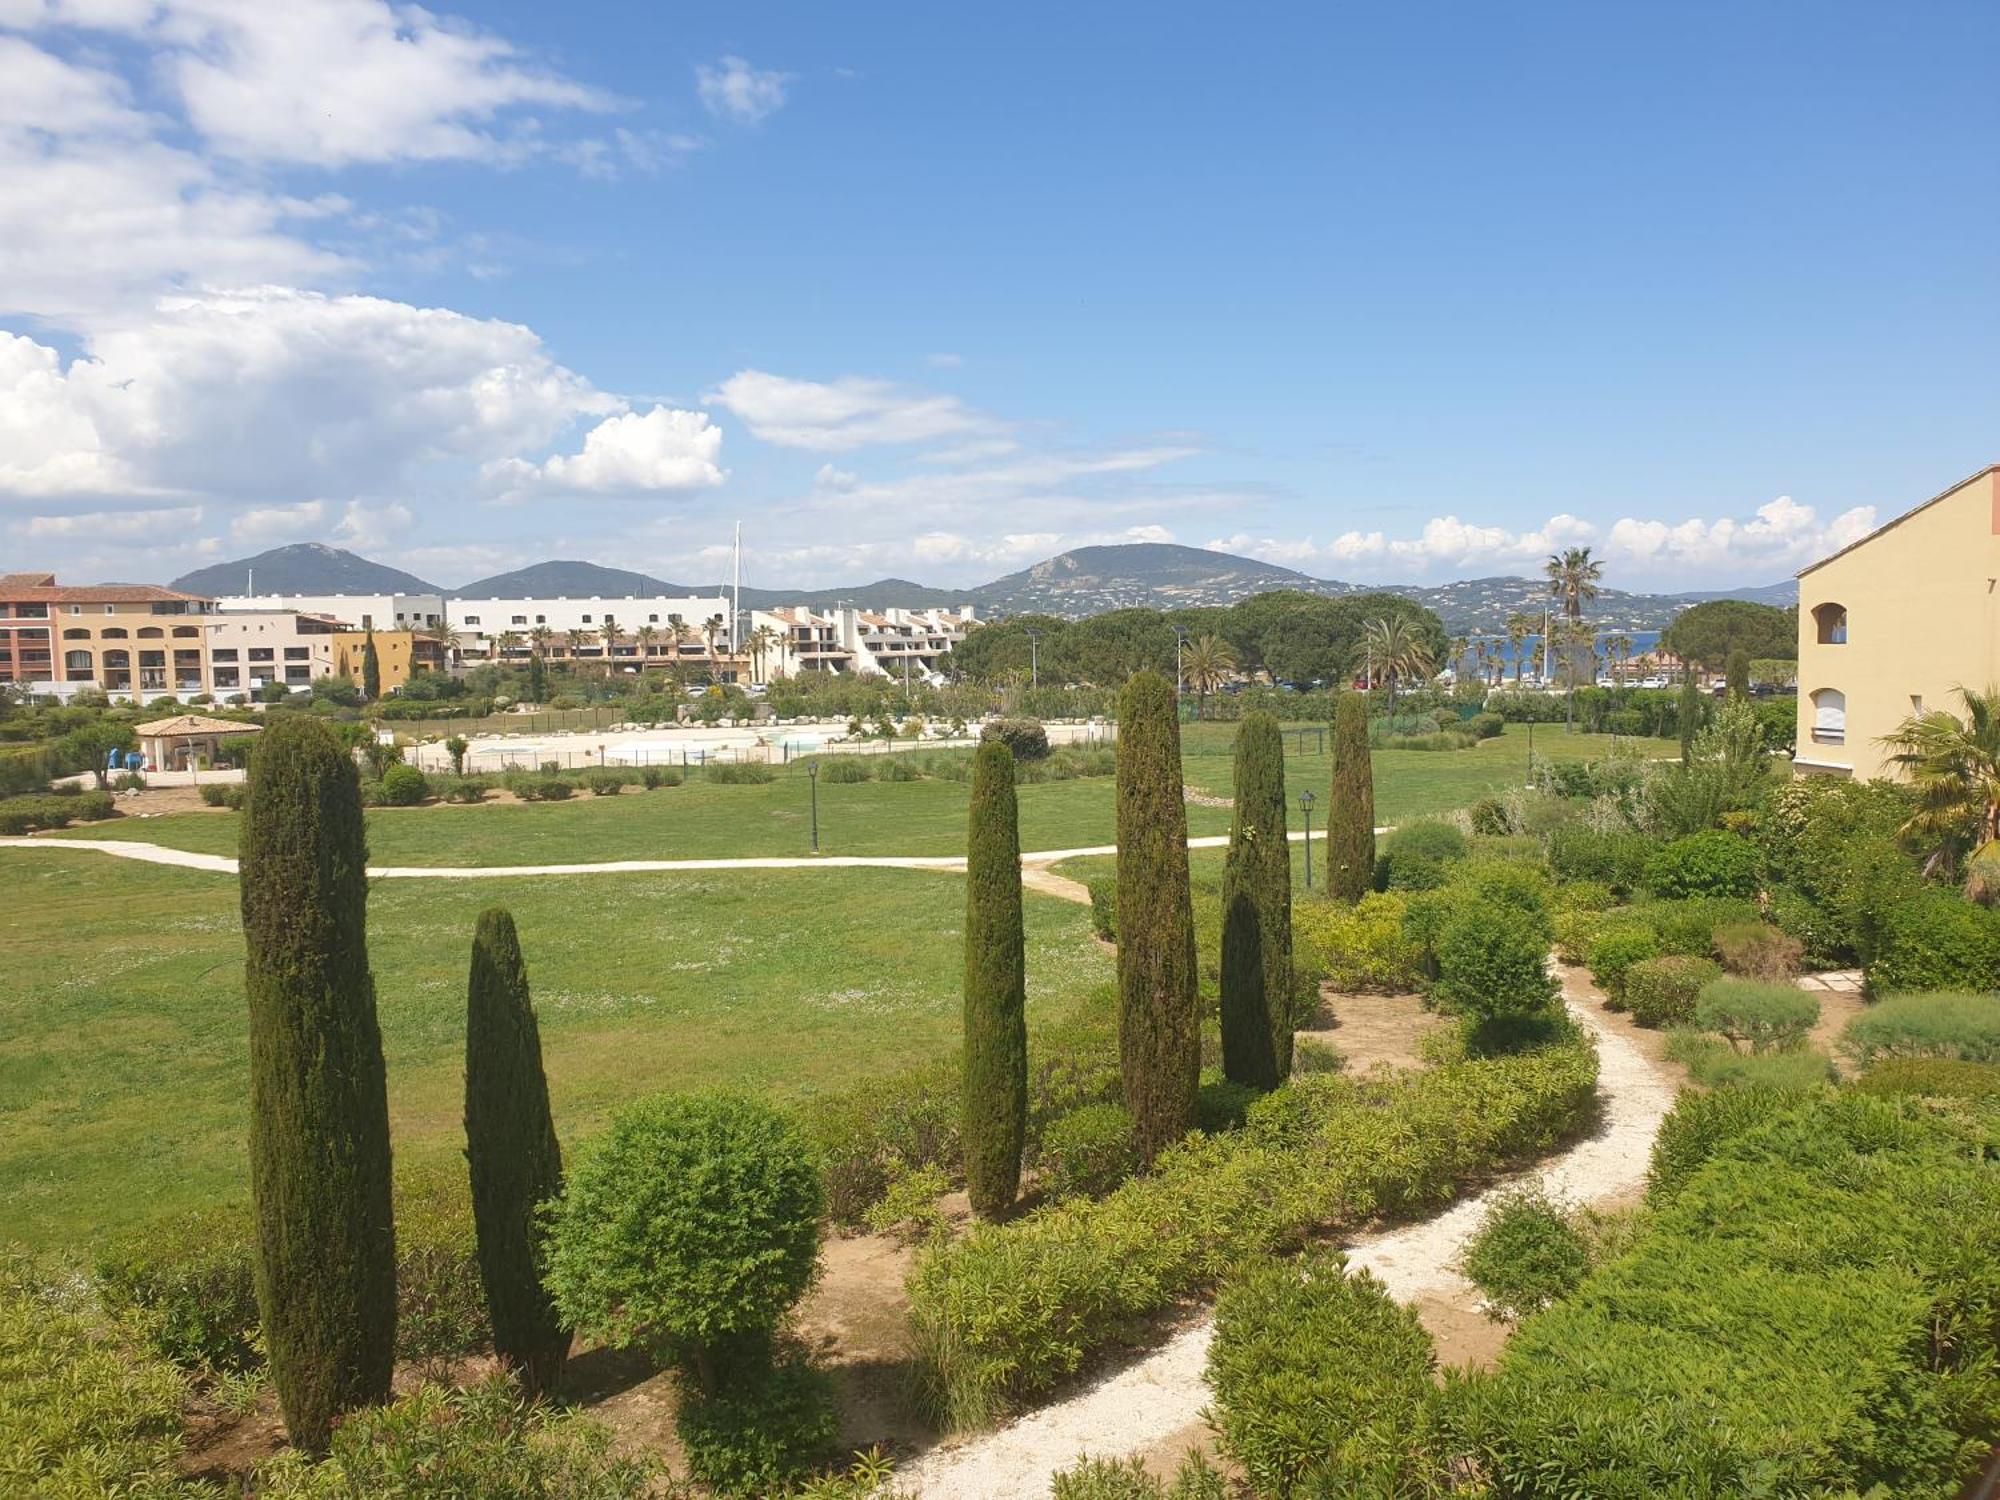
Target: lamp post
[
  {"x": 812, "y": 775},
  {"x": 1306, "y": 808},
  {"x": 1034, "y": 657},
  {"x": 1180, "y": 640}
]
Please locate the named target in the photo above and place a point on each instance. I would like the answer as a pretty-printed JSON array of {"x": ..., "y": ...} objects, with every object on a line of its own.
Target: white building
[
  {"x": 865, "y": 642},
  {"x": 651, "y": 631},
  {"x": 248, "y": 648},
  {"x": 361, "y": 611}
]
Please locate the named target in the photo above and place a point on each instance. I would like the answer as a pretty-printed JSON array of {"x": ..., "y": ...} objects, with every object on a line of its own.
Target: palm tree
[
  {"x": 448, "y": 639},
  {"x": 539, "y": 639},
  {"x": 678, "y": 634},
  {"x": 1396, "y": 651},
  {"x": 610, "y": 644},
  {"x": 1206, "y": 665},
  {"x": 1619, "y": 649},
  {"x": 1954, "y": 764},
  {"x": 1458, "y": 646},
  {"x": 583, "y": 636},
  {"x": 1576, "y": 656},
  {"x": 506, "y": 643},
  {"x": 710, "y": 629},
  {"x": 1520, "y": 626},
  {"x": 763, "y": 641},
  {"x": 646, "y": 635},
  {"x": 1573, "y": 579}
]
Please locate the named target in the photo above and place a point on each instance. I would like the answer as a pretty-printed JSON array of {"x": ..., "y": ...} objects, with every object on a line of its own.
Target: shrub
[
  {"x": 1662, "y": 991},
  {"x": 1931, "y": 939},
  {"x": 1767, "y": 1017},
  {"x": 1614, "y": 859},
  {"x": 1757, "y": 950},
  {"x": 1699, "y": 1126},
  {"x": 1485, "y": 726},
  {"x": 1488, "y": 817},
  {"x": 842, "y": 770},
  {"x": 1688, "y": 927},
  {"x": 1820, "y": 935},
  {"x": 1224, "y": 1104},
  {"x": 404, "y": 786},
  {"x": 652, "y": 778},
  {"x": 1130, "y": 1479},
  {"x": 1322, "y": 1381},
  {"x": 1025, "y": 737},
  {"x": 1357, "y": 948},
  {"x": 1709, "y": 863},
  {"x": 1715, "y": 1064},
  {"x": 1104, "y": 907},
  {"x": 741, "y": 773},
  {"x": 1417, "y": 856},
  {"x": 1527, "y": 1253},
  {"x": 1089, "y": 1151},
  {"x": 1492, "y": 966},
  {"x": 1964, "y": 1028},
  {"x": 441, "y": 1310},
  {"x": 541, "y": 788},
  {"x": 216, "y": 794},
  {"x": 465, "y": 791},
  {"x": 696, "y": 1220},
  {"x": 20, "y": 815},
  {"x": 184, "y": 1285},
  {"x": 1257, "y": 980},
  {"x": 1350, "y": 808},
  {"x": 761, "y": 1425},
  {"x": 1311, "y": 1055},
  {"x": 603, "y": 783},
  {"x": 1613, "y": 952},
  {"x": 1932, "y": 1077}
]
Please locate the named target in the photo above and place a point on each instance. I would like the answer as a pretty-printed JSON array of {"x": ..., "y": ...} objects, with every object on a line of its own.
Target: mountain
[
  {"x": 568, "y": 580},
  {"x": 302, "y": 568},
  {"x": 1154, "y": 575}
]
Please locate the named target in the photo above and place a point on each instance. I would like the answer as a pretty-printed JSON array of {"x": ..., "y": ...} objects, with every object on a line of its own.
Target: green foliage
[
  {"x": 1418, "y": 855},
  {"x": 1256, "y": 989},
  {"x": 1104, "y": 908},
  {"x": 996, "y": 995},
  {"x": 1757, "y": 950},
  {"x": 1350, "y": 809},
  {"x": 1026, "y": 738},
  {"x": 511, "y": 1152},
  {"x": 694, "y": 1221},
  {"x": 404, "y": 786},
  {"x": 1089, "y": 1151},
  {"x": 1486, "y": 726},
  {"x": 1821, "y": 936},
  {"x": 1960, "y": 1027},
  {"x": 484, "y": 1440},
  {"x": 1711, "y": 632},
  {"x": 1492, "y": 965},
  {"x": 1709, "y": 863},
  {"x": 759, "y": 1424},
  {"x": 603, "y": 783},
  {"x": 1010, "y": 1310},
  {"x": 464, "y": 789},
  {"x": 1689, "y": 927},
  {"x": 1926, "y": 938},
  {"x": 371, "y": 669},
  {"x": 1322, "y": 1381},
  {"x": 20, "y": 815},
  {"x": 1663, "y": 991},
  {"x": 1358, "y": 948},
  {"x": 1702, "y": 1124},
  {"x": 1716, "y": 1064},
  {"x": 740, "y": 773},
  {"x": 1617, "y": 860},
  {"x": 185, "y": 1286},
  {"x": 1764, "y": 1017},
  {"x": 1315, "y": 1056},
  {"x": 1528, "y": 1252},
  {"x": 541, "y": 788},
  {"x": 1613, "y": 951},
  {"x": 1130, "y": 1479},
  {"x": 1158, "y": 1035},
  {"x": 1932, "y": 1077},
  {"x": 319, "y": 1132}
]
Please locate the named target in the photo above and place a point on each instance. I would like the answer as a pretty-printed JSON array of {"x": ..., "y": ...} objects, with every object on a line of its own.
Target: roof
[
  {"x": 107, "y": 593},
  {"x": 182, "y": 724},
  {"x": 11, "y": 581},
  {"x": 1912, "y": 511}
]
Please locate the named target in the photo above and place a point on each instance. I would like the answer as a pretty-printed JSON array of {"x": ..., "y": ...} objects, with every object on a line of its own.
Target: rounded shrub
[
  {"x": 694, "y": 1222},
  {"x": 1527, "y": 1253},
  {"x": 1613, "y": 951},
  {"x": 1492, "y": 965},
  {"x": 1485, "y": 726},
  {"x": 1757, "y": 950},
  {"x": 603, "y": 783},
  {"x": 1958, "y": 1027},
  {"x": 1689, "y": 926},
  {"x": 1764, "y": 1017},
  {"x": 1663, "y": 991},
  {"x": 1931, "y": 939},
  {"x": 404, "y": 786},
  {"x": 1025, "y": 737},
  {"x": 464, "y": 791},
  {"x": 1709, "y": 863},
  {"x": 1418, "y": 855},
  {"x": 1089, "y": 1151},
  {"x": 1489, "y": 818}
]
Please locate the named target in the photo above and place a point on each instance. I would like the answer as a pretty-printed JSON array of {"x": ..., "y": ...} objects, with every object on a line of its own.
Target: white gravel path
[{"x": 1163, "y": 1393}]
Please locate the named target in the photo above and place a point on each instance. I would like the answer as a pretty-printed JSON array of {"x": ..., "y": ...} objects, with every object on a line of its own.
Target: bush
[
  {"x": 1688, "y": 927},
  {"x": 603, "y": 783},
  {"x": 20, "y": 815},
  {"x": 1699, "y": 1126},
  {"x": 652, "y": 778},
  {"x": 484, "y": 1441},
  {"x": 1130, "y": 1479},
  {"x": 1485, "y": 726},
  {"x": 1820, "y": 935},
  {"x": 741, "y": 773},
  {"x": 1488, "y": 817},
  {"x": 1492, "y": 965},
  {"x": 1322, "y": 1381},
  {"x": 1417, "y": 856},
  {"x": 1025, "y": 737},
  {"x": 1757, "y": 950},
  {"x": 1357, "y": 948},
  {"x": 1715, "y": 1064},
  {"x": 461, "y": 789},
  {"x": 1104, "y": 907},
  {"x": 184, "y": 1285},
  {"x": 1710, "y": 863},
  {"x": 1311, "y": 1055},
  {"x": 1614, "y": 859},
  {"x": 1662, "y": 991},
  {"x": 1089, "y": 1151},
  {"x": 760, "y": 1426},
  {"x": 696, "y": 1220},
  {"x": 840, "y": 770},
  {"x": 404, "y": 786},
  {"x": 1962, "y": 1028},
  {"x": 1931, "y": 1077},
  {"x": 1767, "y": 1017},
  {"x": 1613, "y": 952},
  {"x": 541, "y": 788},
  {"x": 1931, "y": 939},
  {"x": 217, "y": 794},
  {"x": 1527, "y": 1253}
]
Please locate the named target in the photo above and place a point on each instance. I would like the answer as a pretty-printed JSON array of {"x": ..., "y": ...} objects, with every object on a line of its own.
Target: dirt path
[{"x": 1154, "y": 1404}]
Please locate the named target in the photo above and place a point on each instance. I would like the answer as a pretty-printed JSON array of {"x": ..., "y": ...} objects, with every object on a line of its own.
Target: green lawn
[
  {"x": 123, "y": 1071},
  {"x": 705, "y": 820}
]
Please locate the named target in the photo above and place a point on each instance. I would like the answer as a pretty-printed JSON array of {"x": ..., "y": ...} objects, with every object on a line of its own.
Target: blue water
[{"x": 1642, "y": 642}]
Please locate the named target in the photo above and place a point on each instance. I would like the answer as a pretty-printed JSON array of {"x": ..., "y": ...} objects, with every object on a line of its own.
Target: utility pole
[{"x": 1034, "y": 657}]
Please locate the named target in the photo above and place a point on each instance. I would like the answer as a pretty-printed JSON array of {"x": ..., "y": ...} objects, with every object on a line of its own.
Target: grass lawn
[
  {"x": 706, "y": 820},
  {"x": 123, "y": 1065}
]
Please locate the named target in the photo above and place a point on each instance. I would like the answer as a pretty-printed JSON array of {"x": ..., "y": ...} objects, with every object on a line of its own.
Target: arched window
[
  {"x": 117, "y": 659},
  {"x": 152, "y": 633},
  {"x": 77, "y": 635},
  {"x": 185, "y": 632},
  {"x": 113, "y": 632},
  {"x": 76, "y": 661},
  {"x": 1829, "y": 717},
  {"x": 1830, "y": 624}
]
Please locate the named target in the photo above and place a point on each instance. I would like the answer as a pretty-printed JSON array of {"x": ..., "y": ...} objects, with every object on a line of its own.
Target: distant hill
[
  {"x": 1087, "y": 581},
  {"x": 302, "y": 568}
]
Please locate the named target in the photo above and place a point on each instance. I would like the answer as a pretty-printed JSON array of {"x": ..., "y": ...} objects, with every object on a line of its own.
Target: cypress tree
[
  {"x": 1257, "y": 914},
  {"x": 1690, "y": 712},
  {"x": 371, "y": 669},
  {"x": 538, "y": 680},
  {"x": 1159, "y": 1036},
  {"x": 511, "y": 1150},
  {"x": 1350, "y": 815},
  {"x": 319, "y": 1111},
  {"x": 996, "y": 988},
  {"x": 1737, "y": 674}
]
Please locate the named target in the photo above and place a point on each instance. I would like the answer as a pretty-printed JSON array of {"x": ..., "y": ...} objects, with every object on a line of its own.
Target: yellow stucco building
[
  {"x": 1895, "y": 624},
  {"x": 398, "y": 655}
]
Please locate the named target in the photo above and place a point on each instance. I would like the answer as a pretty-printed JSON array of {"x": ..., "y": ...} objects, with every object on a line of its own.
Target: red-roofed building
[{"x": 130, "y": 639}]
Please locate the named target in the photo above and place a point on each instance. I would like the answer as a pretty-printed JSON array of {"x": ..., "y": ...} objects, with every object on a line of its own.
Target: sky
[{"x": 1395, "y": 292}]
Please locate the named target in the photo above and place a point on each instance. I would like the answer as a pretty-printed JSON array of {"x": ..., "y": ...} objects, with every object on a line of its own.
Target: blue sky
[{"x": 1386, "y": 292}]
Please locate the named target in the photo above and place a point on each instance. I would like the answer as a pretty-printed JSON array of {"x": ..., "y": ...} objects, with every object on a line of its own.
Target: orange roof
[
  {"x": 108, "y": 593},
  {"x": 182, "y": 724}
]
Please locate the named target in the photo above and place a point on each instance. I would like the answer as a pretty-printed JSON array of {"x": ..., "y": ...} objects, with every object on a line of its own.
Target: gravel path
[{"x": 1161, "y": 1395}]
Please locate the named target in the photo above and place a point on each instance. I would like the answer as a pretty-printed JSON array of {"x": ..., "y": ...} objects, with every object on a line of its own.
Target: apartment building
[
  {"x": 248, "y": 649},
  {"x": 630, "y": 632},
  {"x": 363, "y": 611},
  {"x": 793, "y": 639},
  {"x": 27, "y": 648},
  {"x": 399, "y": 655},
  {"x": 131, "y": 639},
  {"x": 1897, "y": 622}
]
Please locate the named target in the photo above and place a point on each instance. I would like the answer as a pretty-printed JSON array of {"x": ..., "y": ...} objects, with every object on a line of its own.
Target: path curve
[
  {"x": 222, "y": 864},
  {"x": 1161, "y": 1395}
]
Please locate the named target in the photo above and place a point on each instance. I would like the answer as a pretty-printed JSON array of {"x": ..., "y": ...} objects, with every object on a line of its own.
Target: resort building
[
  {"x": 190, "y": 740},
  {"x": 630, "y": 633},
  {"x": 132, "y": 640},
  {"x": 1897, "y": 622},
  {"x": 363, "y": 611},
  {"x": 27, "y": 651},
  {"x": 248, "y": 649},
  {"x": 788, "y": 641},
  {"x": 399, "y": 655}
]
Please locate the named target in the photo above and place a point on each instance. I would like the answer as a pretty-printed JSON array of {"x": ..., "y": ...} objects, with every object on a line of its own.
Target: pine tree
[
  {"x": 1350, "y": 818},
  {"x": 1159, "y": 1038},
  {"x": 371, "y": 669},
  {"x": 319, "y": 1112},
  {"x": 996, "y": 993},
  {"x": 1737, "y": 675},
  {"x": 1257, "y": 914},
  {"x": 1690, "y": 713},
  {"x": 511, "y": 1150}
]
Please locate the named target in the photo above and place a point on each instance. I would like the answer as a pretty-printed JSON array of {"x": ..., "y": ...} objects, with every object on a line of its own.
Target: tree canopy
[{"x": 1707, "y": 633}]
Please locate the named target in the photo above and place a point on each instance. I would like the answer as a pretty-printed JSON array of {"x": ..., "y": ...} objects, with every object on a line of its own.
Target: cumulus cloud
[
  {"x": 733, "y": 90},
  {"x": 110, "y": 528},
  {"x": 651, "y": 452},
  {"x": 835, "y": 416}
]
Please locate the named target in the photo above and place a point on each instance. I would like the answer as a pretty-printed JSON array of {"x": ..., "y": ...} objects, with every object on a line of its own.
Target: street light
[
  {"x": 812, "y": 775},
  {"x": 1180, "y": 640},
  {"x": 1034, "y": 657},
  {"x": 1306, "y": 807}
]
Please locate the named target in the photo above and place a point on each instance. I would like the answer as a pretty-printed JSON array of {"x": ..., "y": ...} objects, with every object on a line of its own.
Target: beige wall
[
  {"x": 247, "y": 649},
  {"x": 1923, "y": 617},
  {"x": 125, "y": 647}
]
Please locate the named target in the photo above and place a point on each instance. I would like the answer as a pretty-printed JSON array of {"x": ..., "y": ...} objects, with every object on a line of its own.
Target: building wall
[
  {"x": 249, "y": 648},
  {"x": 1922, "y": 602},
  {"x": 398, "y": 653},
  {"x": 148, "y": 647},
  {"x": 363, "y": 611},
  {"x": 26, "y": 652},
  {"x": 480, "y": 622}
]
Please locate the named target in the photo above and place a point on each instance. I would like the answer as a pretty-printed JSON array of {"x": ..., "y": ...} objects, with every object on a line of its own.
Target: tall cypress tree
[
  {"x": 1690, "y": 712},
  {"x": 371, "y": 669},
  {"x": 996, "y": 988},
  {"x": 1350, "y": 815},
  {"x": 511, "y": 1150},
  {"x": 1257, "y": 914},
  {"x": 1737, "y": 674},
  {"x": 1159, "y": 1036},
  {"x": 319, "y": 1111}
]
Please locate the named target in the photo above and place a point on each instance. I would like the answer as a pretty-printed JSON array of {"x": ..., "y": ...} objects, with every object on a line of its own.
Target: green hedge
[
  {"x": 1010, "y": 1310},
  {"x": 1662, "y": 991},
  {"x": 1933, "y": 939},
  {"x": 1961, "y": 1028},
  {"x": 20, "y": 815}
]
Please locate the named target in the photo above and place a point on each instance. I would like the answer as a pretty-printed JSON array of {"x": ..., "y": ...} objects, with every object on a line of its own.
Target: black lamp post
[
  {"x": 1306, "y": 807},
  {"x": 812, "y": 775}
]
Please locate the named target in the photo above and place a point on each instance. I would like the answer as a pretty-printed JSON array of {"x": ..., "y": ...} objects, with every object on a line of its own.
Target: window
[
  {"x": 76, "y": 635},
  {"x": 76, "y": 609},
  {"x": 223, "y": 653},
  {"x": 185, "y": 632},
  {"x": 652, "y": 619},
  {"x": 472, "y": 619},
  {"x": 1830, "y": 624},
  {"x": 119, "y": 659},
  {"x": 298, "y": 653},
  {"x": 113, "y": 632},
  {"x": 298, "y": 674},
  {"x": 152, "y": 633},
  {"x": 226, "y": 677},
  {"x": 76, "y": 661},
  {"x": 1916, "y": 703},
  {"x": 586, "y": 619},
  {"x": 517, "y": 620},
  {"x": 1829, "y": 716},
  {"x": 152, "y": 658},
  {"x": 261, "y": 653},
  {"x": 111, "y": 609}
]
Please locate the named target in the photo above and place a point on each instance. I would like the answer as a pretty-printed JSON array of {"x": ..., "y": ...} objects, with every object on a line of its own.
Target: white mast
[{"x": 736, "y": 598}]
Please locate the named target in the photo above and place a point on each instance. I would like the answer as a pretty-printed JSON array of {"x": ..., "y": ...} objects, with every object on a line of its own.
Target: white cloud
[
  {"x": 265, "y": 525},
  {"x": 733, "y": 90},
  {"x": 652, "y": 452},
  {"x": 110, "y": 528},
  {"x": 838, "y": 415}
]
